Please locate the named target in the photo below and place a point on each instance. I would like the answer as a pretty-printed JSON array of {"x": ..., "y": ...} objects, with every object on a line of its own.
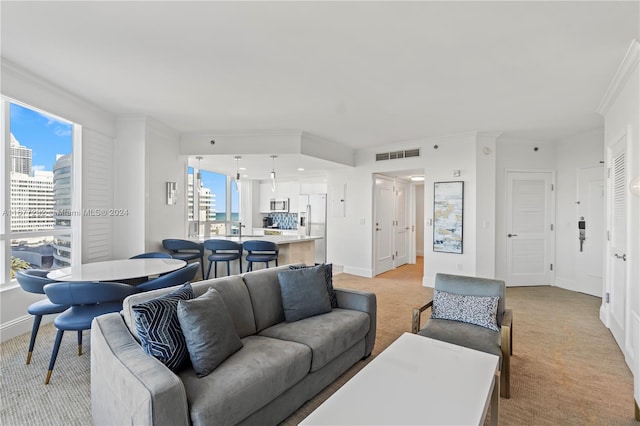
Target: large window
[
  {"x": 38, "y": 225},
  {"x": 212, "y": 204}
]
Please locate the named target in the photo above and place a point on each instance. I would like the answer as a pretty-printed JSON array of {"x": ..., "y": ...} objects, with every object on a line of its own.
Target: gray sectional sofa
[{"x": 280, "y": 366}]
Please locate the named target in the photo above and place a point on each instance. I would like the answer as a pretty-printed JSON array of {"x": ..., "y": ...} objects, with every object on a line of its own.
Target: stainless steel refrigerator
[{"x": 312, "y": 221}]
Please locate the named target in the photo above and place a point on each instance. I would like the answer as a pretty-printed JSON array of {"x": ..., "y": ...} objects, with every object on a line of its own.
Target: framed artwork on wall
[{"x": 448, "y": 206}]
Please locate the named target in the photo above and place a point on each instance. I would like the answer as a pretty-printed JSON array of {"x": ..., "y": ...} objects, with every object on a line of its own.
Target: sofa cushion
[
  {"x": 327, "y": 335},
  {"x": 236, "y": 298},
  {"x": 208, "y": 330},
  {"x": 159, "y": 329},
  {"x": 328, "y": 276},
  {"x": 463, "y": 334},
  {"x": 233, "y": 291},
  {"x": 264, "y": 289},
  {"x": 246, "y": 381},
  {"x": 304, "y": 293},
  {"x": 478, "y": 310}
]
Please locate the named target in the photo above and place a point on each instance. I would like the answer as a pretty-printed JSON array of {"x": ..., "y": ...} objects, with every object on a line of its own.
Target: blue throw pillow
[
  {"x": 304, "y": 293},
  {"x": 159, "y": 328},
  {"x": 328, "y": 276},
  {"x": 208, "y": 330},
  {"x": 478, "y": 310}
]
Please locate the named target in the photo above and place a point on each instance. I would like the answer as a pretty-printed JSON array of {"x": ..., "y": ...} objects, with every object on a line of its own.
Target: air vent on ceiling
[{"x": 394, "y": 155}]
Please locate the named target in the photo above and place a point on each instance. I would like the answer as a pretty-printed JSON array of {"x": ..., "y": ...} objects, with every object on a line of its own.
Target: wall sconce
[
  {"x": 634, "y": 186},
  {"x": 172, "y": 193}
]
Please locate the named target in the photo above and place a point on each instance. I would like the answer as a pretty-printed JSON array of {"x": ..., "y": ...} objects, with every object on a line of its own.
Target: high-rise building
[
  {"x": 32, "y": 201},
  {"x": 20, "y": 157},
  {"x": 62, "y": 191}
]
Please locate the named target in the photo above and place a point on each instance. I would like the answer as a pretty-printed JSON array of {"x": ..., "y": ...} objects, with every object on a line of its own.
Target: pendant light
[
  {"x": 273, "y": 173},
  {"x": 237, "y": 158}
]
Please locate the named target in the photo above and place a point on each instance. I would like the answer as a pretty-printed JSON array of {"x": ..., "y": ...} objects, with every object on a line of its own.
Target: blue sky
[
  {"x": 45, "y": 135},
  {"x": 217, "y": 184}
]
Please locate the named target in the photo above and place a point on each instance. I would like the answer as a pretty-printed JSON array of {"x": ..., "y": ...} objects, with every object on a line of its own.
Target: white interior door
[
  {"x": 384, "y": 201},
  {"x": 402, "y": 228},
  {"x": 617, "y": 287},
  {"x": 590, "y": 257},
  {"x": 529, "y": 228}
]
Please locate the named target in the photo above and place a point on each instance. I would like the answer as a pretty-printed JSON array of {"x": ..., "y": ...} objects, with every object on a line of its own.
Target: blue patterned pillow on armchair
[{"x": 159, "y": 328}]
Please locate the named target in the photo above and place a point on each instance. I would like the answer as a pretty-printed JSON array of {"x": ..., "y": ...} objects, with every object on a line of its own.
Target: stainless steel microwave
[{"x": 280, "y": 205}]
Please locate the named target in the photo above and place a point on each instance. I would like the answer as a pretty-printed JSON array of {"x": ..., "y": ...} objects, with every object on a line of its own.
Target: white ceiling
[{"x": 358, "y": 73}]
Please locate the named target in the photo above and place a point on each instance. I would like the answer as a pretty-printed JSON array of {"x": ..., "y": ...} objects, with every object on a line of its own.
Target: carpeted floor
[{"x": 566, "y": 368}]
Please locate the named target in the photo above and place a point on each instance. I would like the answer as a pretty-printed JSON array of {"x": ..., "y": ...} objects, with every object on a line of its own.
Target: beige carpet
[{"x": 566, "y": 368}]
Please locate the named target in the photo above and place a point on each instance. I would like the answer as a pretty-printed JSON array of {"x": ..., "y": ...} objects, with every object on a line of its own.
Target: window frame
[{"x": 6, "y": 235}]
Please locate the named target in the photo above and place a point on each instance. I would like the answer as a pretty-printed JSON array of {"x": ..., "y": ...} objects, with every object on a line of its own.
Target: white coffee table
[{"x": 417, "y": 381}]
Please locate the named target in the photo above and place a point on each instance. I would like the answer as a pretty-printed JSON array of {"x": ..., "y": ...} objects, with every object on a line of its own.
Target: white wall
[
  {"x": 130, "y": 182},
  {"x": 572, "y": 154},
  {"x": 453, "y": 153},
  {"x": 515, "y": 154},
  {"x": 98, "y": 129}
]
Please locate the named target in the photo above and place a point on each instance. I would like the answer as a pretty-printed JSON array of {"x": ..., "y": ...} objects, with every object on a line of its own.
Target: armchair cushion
[
  {"x": 478, "y": 310},
  {"x": 208, "y": 330},
  {"x": 159, "y": 329},
  {"x": 463, "y": 334}
]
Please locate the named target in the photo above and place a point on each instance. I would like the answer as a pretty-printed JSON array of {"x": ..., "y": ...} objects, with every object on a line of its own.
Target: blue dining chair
[
  {"x": 87, "y": 300},
  {"x": 185, "y": 250},
  {"x": 33, "y": 281},
  {"x": 260, "y": 251},
  {"x": 152, "y": 255},
  {"x": 180, "y": 276},
  {"x": 223, "y": 251}
]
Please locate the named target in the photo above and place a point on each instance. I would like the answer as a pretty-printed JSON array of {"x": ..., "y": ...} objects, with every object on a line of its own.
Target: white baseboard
[
  {"x": 20, "y": 325},
  {"x": 361, "y": 272},
  {"x": 566, "y": 284},
  {"x": 428, "y": 282}
]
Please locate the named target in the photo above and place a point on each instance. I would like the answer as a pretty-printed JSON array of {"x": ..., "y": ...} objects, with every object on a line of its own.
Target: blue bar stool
[
  {"x": 223, "y": 251},
  {"x": 185, "y": 250},
  {"x": 260, "y": 251}
]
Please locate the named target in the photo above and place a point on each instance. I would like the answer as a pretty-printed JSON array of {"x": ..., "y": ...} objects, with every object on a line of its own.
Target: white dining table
[{"x": 117, "y": 270}]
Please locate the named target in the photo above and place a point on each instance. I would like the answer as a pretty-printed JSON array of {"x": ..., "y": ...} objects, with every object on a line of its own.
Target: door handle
[
  {"x": 512, "y": 235},
  {"x": 623, "y": 257}
]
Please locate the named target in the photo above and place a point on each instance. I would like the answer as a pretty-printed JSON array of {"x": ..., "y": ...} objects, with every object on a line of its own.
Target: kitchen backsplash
[{"x": 285, "y": 220}]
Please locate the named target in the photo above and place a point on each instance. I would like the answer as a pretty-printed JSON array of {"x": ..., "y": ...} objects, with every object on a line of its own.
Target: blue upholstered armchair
[{"x": 470, "y": 312}]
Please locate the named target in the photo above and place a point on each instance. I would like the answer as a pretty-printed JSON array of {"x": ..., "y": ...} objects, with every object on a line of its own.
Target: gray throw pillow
[
  {"x": 304, "y": 293},
  {"x": 478, "y": 310},
  {"x": 208, "y": 330},
  {"x": 328, "y": 276}
]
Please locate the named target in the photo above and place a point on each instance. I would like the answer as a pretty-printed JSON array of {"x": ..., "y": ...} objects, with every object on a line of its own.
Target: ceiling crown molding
[{"x": 629, "y": 63}]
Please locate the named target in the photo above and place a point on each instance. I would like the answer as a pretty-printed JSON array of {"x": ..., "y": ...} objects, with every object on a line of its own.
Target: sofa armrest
[
  {"x": 361, "y": 301},
  {"x": 127, "y": 385},
  {"x": 415, "y": 320}
]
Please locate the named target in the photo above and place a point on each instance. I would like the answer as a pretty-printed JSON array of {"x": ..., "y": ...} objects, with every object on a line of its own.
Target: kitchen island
[{"x": 292, "y": 248}]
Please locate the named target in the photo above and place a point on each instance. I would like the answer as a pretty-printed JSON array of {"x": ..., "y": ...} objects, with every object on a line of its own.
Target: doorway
[
  {"x": 530, "y": 237},
  {"x": 394, "y": 220},
  {"x": 617, "y": 269},
  {"x": 590, "y": 222}
]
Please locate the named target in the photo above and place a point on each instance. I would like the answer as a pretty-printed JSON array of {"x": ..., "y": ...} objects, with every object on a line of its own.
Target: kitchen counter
[
  {"x": 292, "y": 248},
  {"x": 278, "y": 239}
]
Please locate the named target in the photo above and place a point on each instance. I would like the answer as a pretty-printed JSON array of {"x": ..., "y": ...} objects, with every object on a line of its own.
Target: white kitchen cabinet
[{"x": 265, "y": 197}]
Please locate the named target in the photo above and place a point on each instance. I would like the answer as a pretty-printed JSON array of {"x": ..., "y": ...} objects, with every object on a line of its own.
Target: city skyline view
[{"x": 47, "y": 136}]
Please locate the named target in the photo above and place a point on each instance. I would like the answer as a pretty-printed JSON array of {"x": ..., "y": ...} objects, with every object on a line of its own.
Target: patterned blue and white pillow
[
  {"x": 159, "y": 329},
  {"x": 478, "y": 310}
]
